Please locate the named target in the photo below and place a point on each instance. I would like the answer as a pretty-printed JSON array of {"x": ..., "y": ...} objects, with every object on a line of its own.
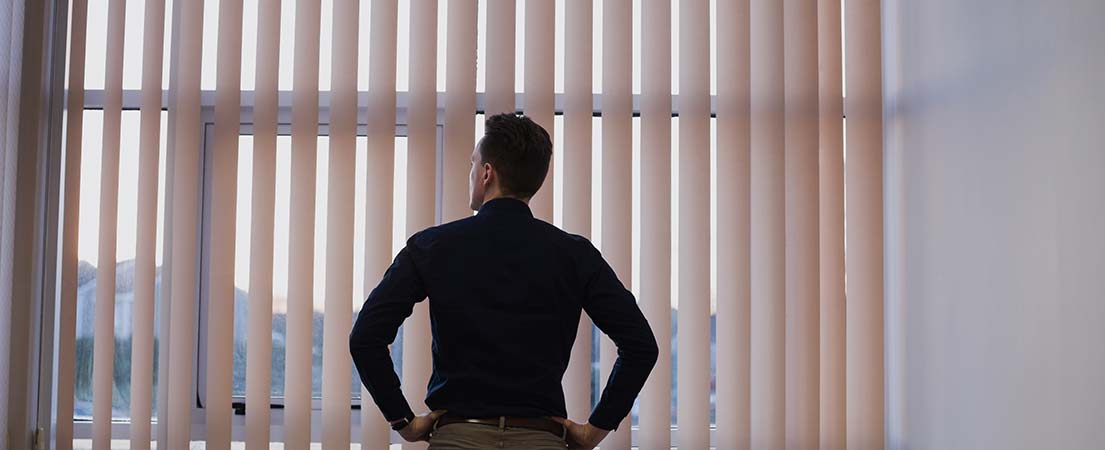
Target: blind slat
[
  {"x": 733, "y": 225},
  {"x": 767, "y": 226},
  {"x": 693, "y": 214},
  {"x": 336, "y": 365},
  {"x": 801, "y": 202},
  {"x": 104, "y": 334},
  {"x": 655, "y": 257},
  {"x": 183, "y": 235},
  {"x": 7, "y": 66},
  {"x": 145, "y": 270},
  {"x": 165, "y": 310},
  {"x": 460, "y": 107},
  {"x": 617, "y": 170},
  {"x": 301, "y": 250},
  {"x": 501, "y": 24},
  {"x": 67, "y": 310},
  {"x": 421, "y": 158},
  {"x": 380, "y": 175},
  {"x": 577, "y": 194},
  {"x": 864, "y": 216},
  {"x": 164, "y": 316},
  {"x": 224, "y": 189},
  {"x": 6, "y": 22},
  {"x": 262, "y": 206},
  {"x": 831, "y": 226},
  {"x": 540, "y": 29}
]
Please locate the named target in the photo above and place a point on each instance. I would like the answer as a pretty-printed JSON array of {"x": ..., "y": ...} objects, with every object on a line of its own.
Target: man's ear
[{"x": 487, "y": 173}]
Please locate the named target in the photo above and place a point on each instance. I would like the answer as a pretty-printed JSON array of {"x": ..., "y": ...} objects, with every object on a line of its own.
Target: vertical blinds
[
  {"x": 693, "y": 238},
  {"x": 733, "y": 214},
  {"x": 616, "y": 169},
  {"x": 767, "y": 272},
  {"x": 220, "y": 317},
  {"x": 421, "y": 164},
  {"x": 336, "y": 365},
  {"x": 67, "y": 304},
  {"x": 153, "y": 30},
  {"x": 577, "y": 167},
  {"x": 380, "y": 163},
  {"x": 794, "y": 367},
  {"x": 259, "y": 352},
  {"x": 301, "y": 239},
  {"x": 864, "y": 365},
  {"x": 830, "y": 177},
  {"x": 654, "y": 288}
]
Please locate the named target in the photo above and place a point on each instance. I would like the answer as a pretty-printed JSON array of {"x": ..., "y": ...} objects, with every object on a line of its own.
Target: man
[{"x": 506, "y": 291}]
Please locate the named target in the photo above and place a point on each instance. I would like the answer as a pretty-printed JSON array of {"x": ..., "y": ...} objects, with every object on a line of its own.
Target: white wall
[{"x": 996, "y": 153}]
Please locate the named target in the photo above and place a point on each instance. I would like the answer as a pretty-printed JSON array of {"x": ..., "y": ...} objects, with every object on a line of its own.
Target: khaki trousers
[{"x": 473, "y": 436}]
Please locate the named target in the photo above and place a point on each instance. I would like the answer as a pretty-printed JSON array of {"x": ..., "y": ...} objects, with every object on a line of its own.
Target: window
[
  {"x": 92, "y": 140},
  {"x": 280, "y": 255},
  {"x": 88, "y": 254}
]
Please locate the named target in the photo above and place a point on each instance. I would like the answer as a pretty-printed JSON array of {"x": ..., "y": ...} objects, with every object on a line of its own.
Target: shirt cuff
[{"x": 604, "y": 423}]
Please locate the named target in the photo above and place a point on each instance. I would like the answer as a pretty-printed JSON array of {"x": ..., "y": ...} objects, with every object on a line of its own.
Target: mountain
[{"x": 124, "y": 300}]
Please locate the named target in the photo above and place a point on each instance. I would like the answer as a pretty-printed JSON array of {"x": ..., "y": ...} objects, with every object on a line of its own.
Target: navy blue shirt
[{"x": 505, "y": 291}]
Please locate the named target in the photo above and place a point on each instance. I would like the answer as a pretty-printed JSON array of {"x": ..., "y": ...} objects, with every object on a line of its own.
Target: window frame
[
  {"x": 94, "y": 100},
  {"x": 283, "y": 129}
]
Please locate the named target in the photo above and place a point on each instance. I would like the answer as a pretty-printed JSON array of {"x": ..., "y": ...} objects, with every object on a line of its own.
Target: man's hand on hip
[
  {"x": 582, "y": 436},
  {"x": 419, "y": 429}
]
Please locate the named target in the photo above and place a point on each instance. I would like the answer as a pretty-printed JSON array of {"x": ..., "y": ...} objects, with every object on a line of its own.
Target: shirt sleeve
[
  {"x": 387, "y": 306},
  {"x": 614, "y": 310}
]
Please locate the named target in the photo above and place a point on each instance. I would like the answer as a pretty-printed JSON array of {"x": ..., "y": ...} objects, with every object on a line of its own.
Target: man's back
[
  {"x": 506, "y": 291},
  {"x": 505, "y": 300}
]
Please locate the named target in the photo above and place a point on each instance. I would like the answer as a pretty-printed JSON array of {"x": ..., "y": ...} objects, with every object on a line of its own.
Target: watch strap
[{"x": 399, "y": 424}]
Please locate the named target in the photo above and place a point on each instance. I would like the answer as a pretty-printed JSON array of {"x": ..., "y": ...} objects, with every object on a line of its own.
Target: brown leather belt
[{"x": 532, "y": 423}]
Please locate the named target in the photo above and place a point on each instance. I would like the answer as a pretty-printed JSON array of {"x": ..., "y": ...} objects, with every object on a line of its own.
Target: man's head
[{"x": 511, "y": 160}]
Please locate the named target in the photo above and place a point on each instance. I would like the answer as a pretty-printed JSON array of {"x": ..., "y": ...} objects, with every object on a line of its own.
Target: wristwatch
[{"x": 402, "y": 423}]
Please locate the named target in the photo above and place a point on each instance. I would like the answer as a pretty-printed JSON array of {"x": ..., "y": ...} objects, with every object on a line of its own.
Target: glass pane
[
  {"x": 280, "y": 262},
  {"x": 209, "y": 49},
  {"x": 280, "y": 256},
  {"x": 95, "y": 48},
  {"x": 635, "y": 123},
  {"x": 713, "y": 269},
  {"x": 242, "y": 244},
  {"x": 88, "y": 254}
]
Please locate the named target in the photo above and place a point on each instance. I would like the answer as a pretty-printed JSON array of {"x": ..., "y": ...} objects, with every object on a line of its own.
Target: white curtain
[
  {"x": 25, "y": 109},
  {"x": 10, "y": 33},
  {"x": 16, "y": 167}
]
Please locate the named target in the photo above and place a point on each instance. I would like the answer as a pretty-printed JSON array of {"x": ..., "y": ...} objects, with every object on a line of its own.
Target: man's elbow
[
  {"x": 646, "y": 353},
  {"x": 357, "y": 343},
  {"x": 652, "y": 353}
]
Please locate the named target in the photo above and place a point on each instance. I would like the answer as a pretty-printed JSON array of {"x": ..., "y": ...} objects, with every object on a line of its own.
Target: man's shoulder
[
  {"x": 430, "y": 235},
  {"x": 577, "y": 244},
  {"x": 450, "y": 230},
  {"x": 576, "y": 239},
  {"x": 562, "y": 236}
]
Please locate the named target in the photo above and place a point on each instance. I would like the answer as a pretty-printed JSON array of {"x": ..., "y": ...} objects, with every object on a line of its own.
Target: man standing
[{"x": 506, "y": 291}]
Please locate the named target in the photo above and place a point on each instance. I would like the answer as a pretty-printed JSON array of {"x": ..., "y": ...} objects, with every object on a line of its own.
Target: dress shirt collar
[{"x": 506, "y": 205}]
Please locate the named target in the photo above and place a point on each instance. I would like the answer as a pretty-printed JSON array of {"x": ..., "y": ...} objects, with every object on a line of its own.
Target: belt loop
[{"x": 502, "y": 423}]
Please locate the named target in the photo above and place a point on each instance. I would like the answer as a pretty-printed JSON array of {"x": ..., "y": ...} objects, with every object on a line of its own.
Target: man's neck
[{"x": 493, "y": 196}]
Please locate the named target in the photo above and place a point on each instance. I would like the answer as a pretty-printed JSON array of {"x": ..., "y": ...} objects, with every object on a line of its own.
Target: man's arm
[
  {"x": 614, "y": 310},
  {"x": 387, "y": 306}
]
